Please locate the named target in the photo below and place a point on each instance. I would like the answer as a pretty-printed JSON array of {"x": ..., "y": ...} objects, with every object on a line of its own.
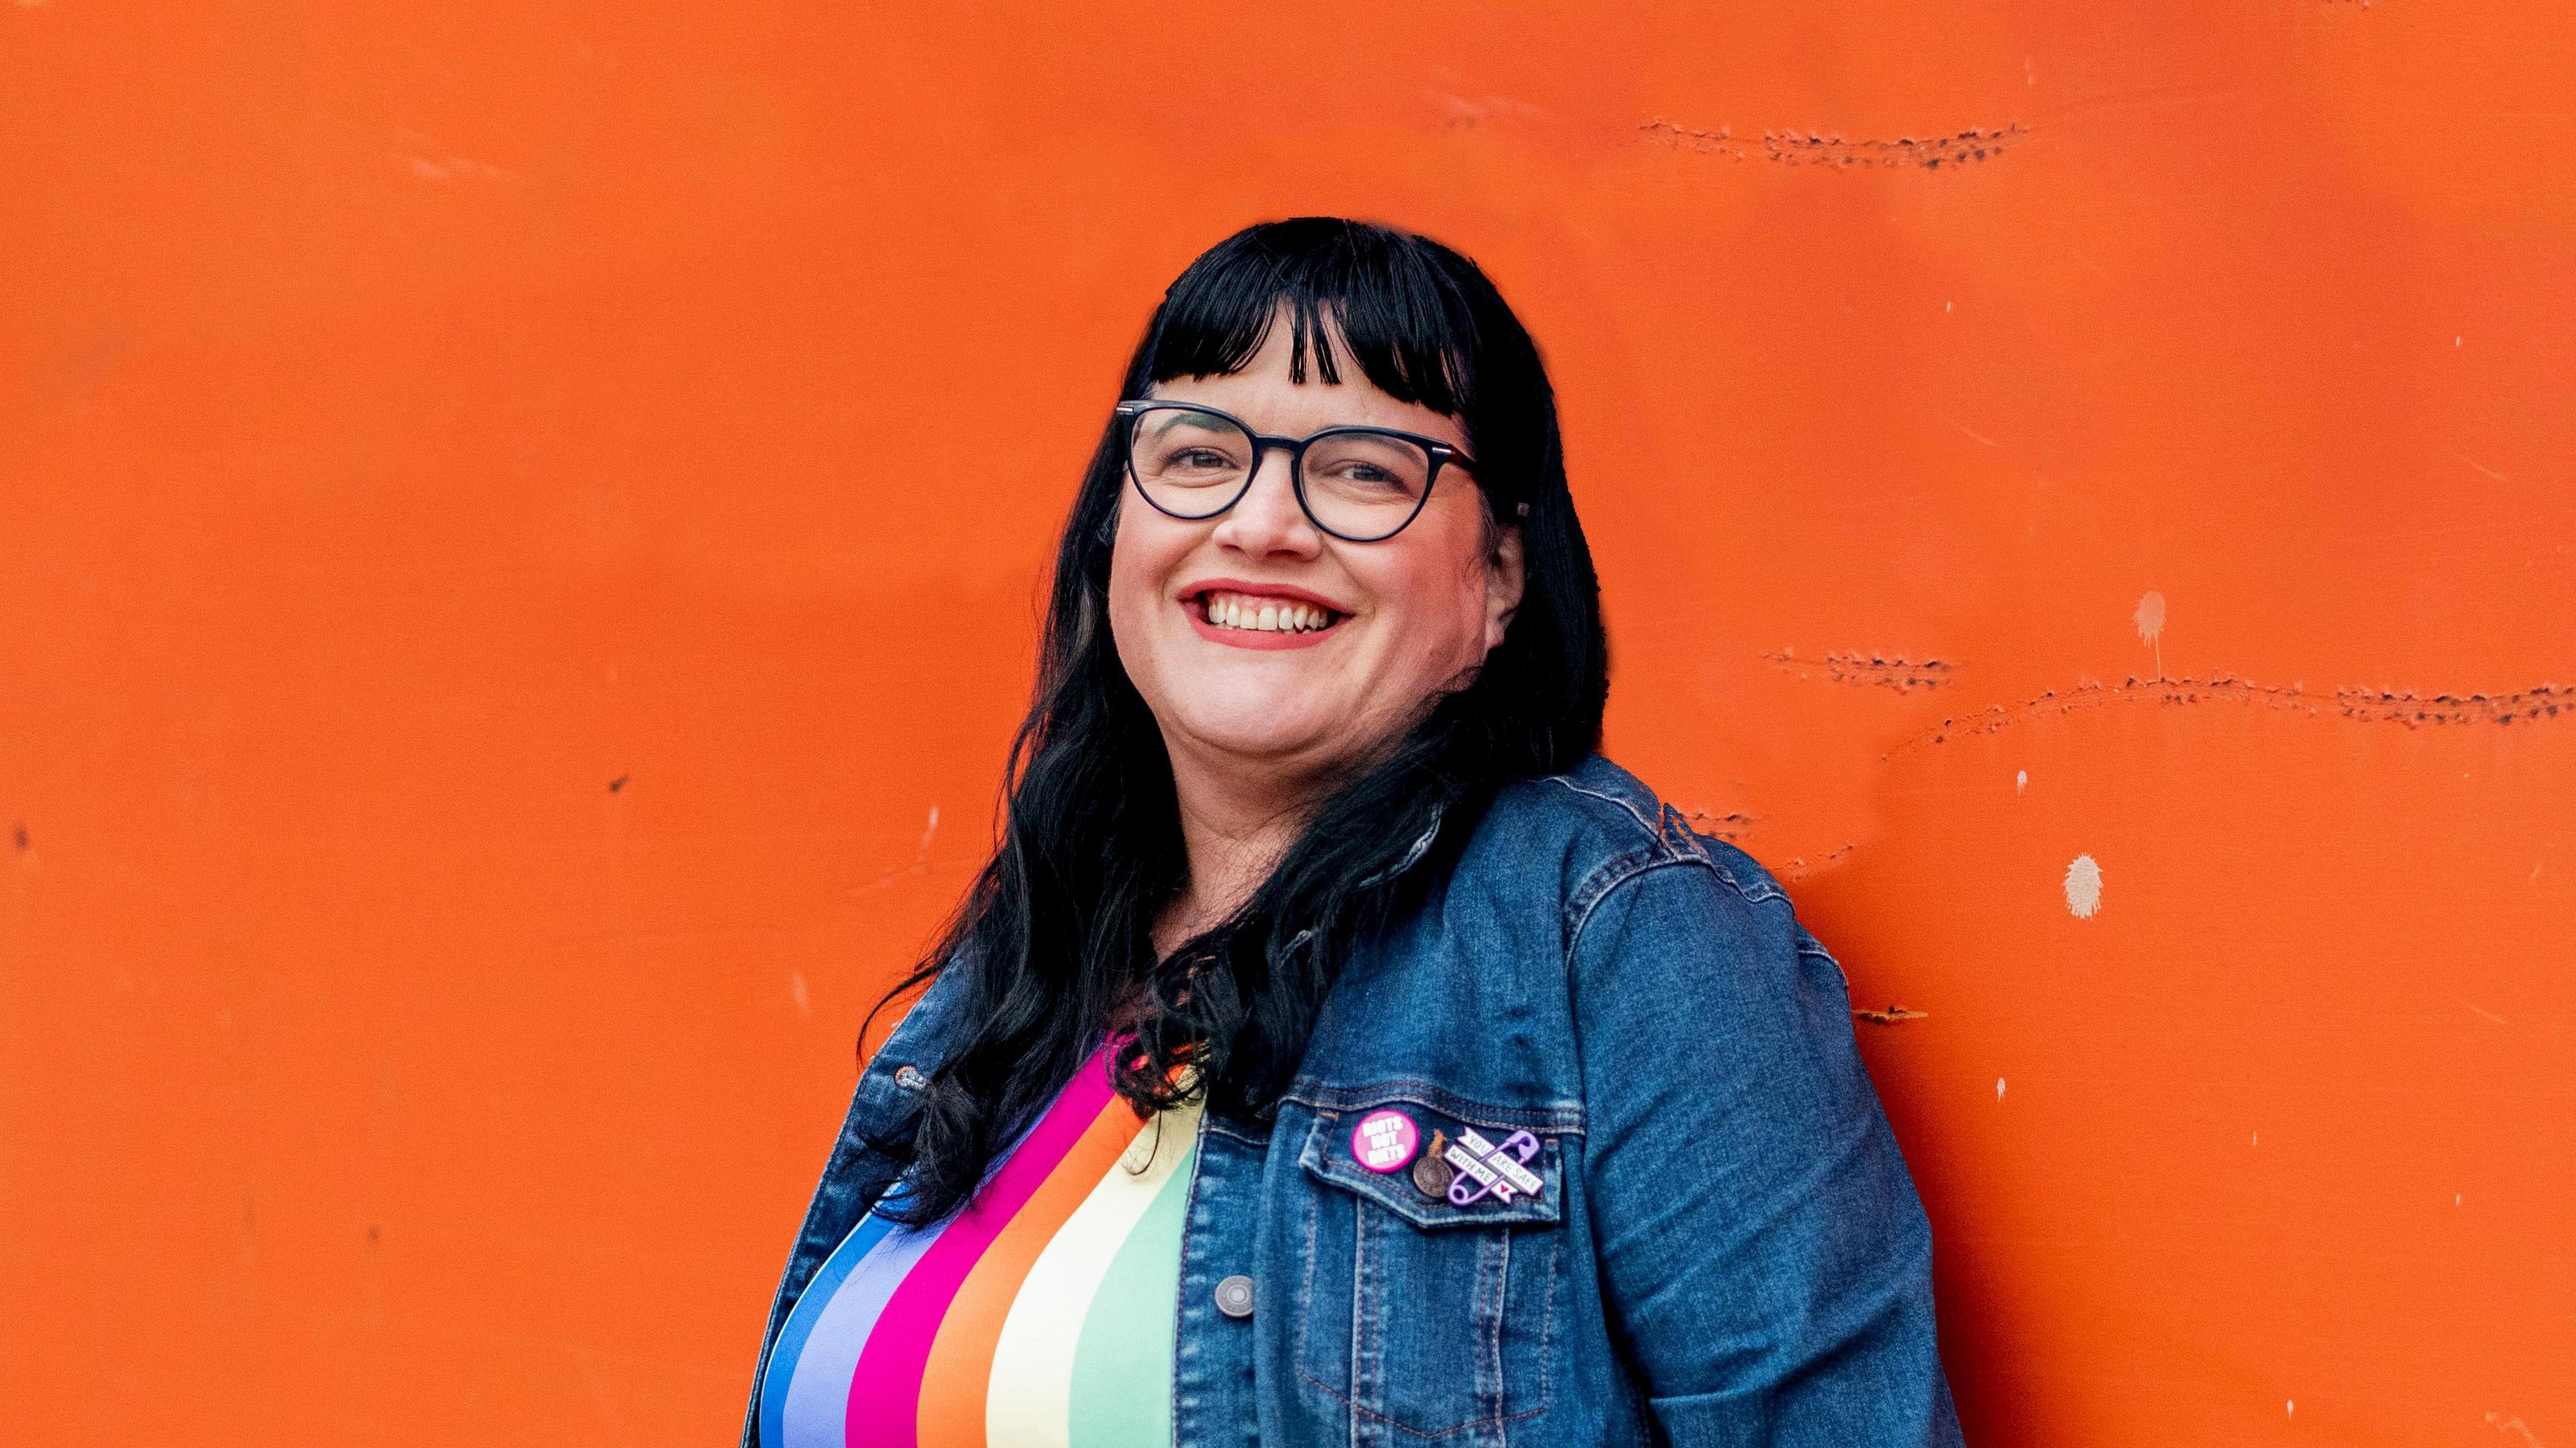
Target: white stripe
[{"x": 1028, "y": 1402}]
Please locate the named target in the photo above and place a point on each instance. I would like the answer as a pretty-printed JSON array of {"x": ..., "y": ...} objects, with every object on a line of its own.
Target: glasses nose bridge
[{"x": 1262, "y": 446}]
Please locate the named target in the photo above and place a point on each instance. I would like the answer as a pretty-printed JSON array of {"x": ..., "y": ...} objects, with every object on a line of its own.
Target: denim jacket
[{"x": 1724, "y": 1246}]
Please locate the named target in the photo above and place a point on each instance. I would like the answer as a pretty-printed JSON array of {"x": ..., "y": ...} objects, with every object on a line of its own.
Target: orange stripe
[{"x": 954, "y": 1381}]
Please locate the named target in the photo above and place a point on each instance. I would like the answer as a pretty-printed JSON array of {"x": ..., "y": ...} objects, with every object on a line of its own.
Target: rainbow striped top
[{"x": 1040, "y": 1314}]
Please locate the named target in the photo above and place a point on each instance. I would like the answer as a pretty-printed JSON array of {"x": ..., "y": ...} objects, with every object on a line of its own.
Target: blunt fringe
[{"x": 1054, "y": 934}]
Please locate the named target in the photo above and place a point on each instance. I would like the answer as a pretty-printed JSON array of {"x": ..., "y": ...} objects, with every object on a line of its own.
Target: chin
[{"x": 1260, "y": 732}]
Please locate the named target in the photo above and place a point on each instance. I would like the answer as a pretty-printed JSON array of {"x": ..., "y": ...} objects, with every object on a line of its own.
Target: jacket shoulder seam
[{"x": 1611, "y": 876}]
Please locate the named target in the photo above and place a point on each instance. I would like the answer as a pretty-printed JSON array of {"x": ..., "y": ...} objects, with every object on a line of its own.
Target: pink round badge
[{"x": 1384, "y": 1141}]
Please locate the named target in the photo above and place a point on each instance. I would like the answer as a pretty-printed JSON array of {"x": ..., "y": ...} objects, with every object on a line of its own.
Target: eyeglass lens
[{"x": 1358, "y": 483}]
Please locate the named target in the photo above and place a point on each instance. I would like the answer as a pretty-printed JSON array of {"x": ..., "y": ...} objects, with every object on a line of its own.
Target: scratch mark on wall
[
  {"x": 2362, "y": 705},
  {"x": 2411, "y": 708},
  {"x": 2490, "y": 472},
  {"x": 1892, "y": 1016},
  {"x": 1799, "y": 868},
  {"x": 617, "y": 784},
  {"x": 413, "y": 150},
  {"x": 1972, "y": 433},
  {"x": 796, "y": 992},
  {"x": 2512, "y": 1427},
  {"x": 1731, "y": 826},
  {"x": 21, "y": 835},
  {"x": 1719, "y": 142},
  {"x": 920, "y": 860},
  {"x": 2083, "y": 887},
  {"x": 1468, "y": 112},
  {"x": 1815, "y": 148},
  {"x": 2482, "y": 1015},
  {"x": 1895, "y": 671}
]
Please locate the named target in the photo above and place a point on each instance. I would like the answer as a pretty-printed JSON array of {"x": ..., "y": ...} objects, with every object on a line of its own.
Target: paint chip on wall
[{"x": 2083, "y": 887}]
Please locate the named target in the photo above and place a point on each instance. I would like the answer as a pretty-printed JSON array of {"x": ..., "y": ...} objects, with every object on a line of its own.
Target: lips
[{"x": 1261, "y": 616}]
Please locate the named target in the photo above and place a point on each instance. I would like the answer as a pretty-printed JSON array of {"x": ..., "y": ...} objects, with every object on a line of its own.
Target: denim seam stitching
[
  {"x": 1414, "y": 1088},
  {"x": 1633, "y": 812},
  {"x": 1362, "y": 1409},
  {"x": 1574, "y": 939}
]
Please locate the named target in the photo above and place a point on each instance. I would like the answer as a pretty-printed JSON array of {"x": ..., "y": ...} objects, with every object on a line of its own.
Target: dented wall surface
[{"x": 502, "y": 658}]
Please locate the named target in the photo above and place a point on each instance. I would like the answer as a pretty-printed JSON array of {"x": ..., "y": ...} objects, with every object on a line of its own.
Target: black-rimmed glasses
[{"x": 1359, "y": 484}]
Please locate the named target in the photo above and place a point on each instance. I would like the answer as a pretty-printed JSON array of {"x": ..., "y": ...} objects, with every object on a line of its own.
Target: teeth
[{"x": 1265, "y": 615}]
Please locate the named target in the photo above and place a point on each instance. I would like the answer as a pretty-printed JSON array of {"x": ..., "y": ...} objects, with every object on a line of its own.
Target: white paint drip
[
  {"x": 2151, "y": 626},
  {"x": 2083, "y": 887},
  {"x": 2258, "y": 1138},
  {"x": 796, "y": 990},
  {"x": 2518, "y": 1428},
  {"x": 1999, "y": 1088},
  {"x": 2021, "y": 780},
  {"x": 2294, "y": 1408}
]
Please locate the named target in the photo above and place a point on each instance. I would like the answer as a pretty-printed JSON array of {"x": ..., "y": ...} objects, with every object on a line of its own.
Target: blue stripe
[{"x": 800, "y": 1322}]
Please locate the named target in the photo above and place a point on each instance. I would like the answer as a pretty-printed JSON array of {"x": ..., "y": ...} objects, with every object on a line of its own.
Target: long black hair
[{"x": 1055, "y": 935}]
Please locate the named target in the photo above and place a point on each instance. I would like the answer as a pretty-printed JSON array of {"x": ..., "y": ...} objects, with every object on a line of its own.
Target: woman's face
[{"x": 1402, "y": 619}]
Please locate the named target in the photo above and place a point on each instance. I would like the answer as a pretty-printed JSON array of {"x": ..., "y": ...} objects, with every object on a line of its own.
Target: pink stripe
[{"x": 885, "y": 1394}]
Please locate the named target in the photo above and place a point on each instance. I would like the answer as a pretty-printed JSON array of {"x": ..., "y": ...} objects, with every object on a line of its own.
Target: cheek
[
  {"x": 1141, "y": 559},
  {"x": 1438, "y": 590}
]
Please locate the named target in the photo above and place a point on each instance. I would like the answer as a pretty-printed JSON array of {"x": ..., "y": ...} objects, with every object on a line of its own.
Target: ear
[{"x": 1505, "y": 575}]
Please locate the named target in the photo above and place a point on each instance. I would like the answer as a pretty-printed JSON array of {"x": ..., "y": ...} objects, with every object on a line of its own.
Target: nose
[{"x": 1266, "y": 521}]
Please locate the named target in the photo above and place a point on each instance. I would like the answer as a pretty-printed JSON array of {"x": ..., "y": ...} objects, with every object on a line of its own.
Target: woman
[{"x": 1337, "y": 1050}]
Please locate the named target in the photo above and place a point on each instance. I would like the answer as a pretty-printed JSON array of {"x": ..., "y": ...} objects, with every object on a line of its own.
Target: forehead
[{"x": 1264, "y": 395}]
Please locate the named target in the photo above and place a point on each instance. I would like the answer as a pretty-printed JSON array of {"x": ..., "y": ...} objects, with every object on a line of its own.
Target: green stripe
[{"x": 1122, "y": 1365}]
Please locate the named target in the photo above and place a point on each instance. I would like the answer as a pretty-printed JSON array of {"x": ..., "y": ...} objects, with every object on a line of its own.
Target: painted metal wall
[{"x": 518, "y": 537}]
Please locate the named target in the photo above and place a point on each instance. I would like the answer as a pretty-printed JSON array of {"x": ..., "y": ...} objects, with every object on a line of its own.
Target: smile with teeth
[{"x": 1264, "y": 614}]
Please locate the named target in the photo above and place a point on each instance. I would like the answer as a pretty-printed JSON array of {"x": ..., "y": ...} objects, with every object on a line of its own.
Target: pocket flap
[{"x": 1332, "y": 1154}]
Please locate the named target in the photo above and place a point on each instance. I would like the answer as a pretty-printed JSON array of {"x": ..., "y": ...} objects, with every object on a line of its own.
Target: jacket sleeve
[
  {"x": 856, "y": 1173},
  {"x": 1766, "y": 1263}
]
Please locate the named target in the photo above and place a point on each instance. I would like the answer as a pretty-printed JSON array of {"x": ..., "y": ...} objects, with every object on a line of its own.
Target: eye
[{"x": 1359, "y": 475}]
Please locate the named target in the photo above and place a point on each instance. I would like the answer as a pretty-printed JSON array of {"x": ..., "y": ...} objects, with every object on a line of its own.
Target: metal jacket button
[
  {"x": 910, "y": 1078},
  {"x": 1234, "y": 1296}
]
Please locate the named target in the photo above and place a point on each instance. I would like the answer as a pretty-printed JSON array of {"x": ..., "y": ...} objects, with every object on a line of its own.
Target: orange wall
[{"x": 495, "y": 675}]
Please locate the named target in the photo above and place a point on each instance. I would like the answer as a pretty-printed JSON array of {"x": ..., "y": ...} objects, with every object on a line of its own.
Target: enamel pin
[
  {"x": 1385, "y": 1141},
  {"x": 1485, "y": 1168}
]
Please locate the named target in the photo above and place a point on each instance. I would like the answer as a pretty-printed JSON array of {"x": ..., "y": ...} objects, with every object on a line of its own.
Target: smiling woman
[{"x": 1337, "y": 1049}]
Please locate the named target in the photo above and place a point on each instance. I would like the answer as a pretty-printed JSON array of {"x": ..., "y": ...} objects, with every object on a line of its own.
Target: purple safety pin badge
[{"x": 1486, "y": 1169}]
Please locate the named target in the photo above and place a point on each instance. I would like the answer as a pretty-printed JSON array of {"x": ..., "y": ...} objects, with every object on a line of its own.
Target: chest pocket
[{"x": 1424, "y": 1317}]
